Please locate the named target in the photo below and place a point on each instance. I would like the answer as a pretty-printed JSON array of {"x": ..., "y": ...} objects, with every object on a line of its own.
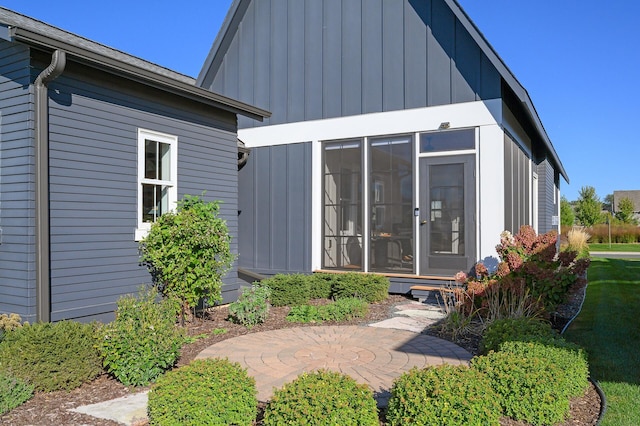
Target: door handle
[{"x": 423, "y": 222}]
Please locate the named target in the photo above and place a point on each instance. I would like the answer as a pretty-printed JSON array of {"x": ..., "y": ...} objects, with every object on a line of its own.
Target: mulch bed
[{"x": 52, "y": 408}]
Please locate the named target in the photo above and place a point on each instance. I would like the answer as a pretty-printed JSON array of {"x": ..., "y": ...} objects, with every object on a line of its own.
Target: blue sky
[{"x": 579, "y": 61}]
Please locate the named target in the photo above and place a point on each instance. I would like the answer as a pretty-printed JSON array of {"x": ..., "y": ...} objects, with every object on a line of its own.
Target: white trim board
[{"x": 470, "y": 114}]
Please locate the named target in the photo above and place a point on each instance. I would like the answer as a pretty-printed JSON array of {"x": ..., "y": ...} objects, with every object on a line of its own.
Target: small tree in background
[
  {"x": 607, "y": 203},
  {"x": 588, "y": 207},
  {"x": 624, "y": 211},
  {"x": 567, "y": 217},
  {"x": 188, "y": 253}
]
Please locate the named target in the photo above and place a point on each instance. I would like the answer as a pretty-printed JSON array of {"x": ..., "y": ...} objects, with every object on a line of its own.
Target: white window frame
[{"x": 144, "y": 135}]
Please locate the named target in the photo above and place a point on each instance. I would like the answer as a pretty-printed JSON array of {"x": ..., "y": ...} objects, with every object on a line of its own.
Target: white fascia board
[{"x": 469, "y": 114}]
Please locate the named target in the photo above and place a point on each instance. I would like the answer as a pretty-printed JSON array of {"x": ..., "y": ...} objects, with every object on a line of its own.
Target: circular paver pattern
[{"x": 374, "y": 356}]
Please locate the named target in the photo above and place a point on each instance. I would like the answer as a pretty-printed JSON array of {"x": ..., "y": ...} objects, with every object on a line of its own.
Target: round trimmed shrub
[
  {"x": 52, "y": 356},
  {"x": 205, "y": 392},
  {"x": 288, "y": 289},
  {"x": 320, "y": 285},
  {"x": 13, "y": 393},
  {"x": 533, "y": 380},
  {"x": 516, "y": 329},
  {"x": 322, "y": 398},
  {"x": 370, "y": 287},
  {"x": 569, "y": 362},
  {"x": 443, "y": 395}
]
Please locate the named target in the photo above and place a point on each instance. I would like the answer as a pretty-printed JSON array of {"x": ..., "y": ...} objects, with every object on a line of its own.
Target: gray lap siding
[
  {"x": 94, "y": 122},
  {"x": 17, "y": 258}
]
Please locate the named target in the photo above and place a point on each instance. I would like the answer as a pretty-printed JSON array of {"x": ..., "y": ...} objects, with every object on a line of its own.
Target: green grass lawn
[
  {"x": 608, "y": 328},
  {"x": 614, "y": 247}
]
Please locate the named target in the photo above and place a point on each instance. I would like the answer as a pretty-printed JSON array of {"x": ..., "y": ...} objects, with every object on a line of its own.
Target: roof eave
[
  {"x": 140, "y": 75},
  {"x": 511, "y": 81}
]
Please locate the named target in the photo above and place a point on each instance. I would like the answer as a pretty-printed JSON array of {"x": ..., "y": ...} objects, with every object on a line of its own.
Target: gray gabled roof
[
  {"x": 238, "y": 8},
  {"x": 15, "y": 27},
  {"x": 511, "y": 80}
]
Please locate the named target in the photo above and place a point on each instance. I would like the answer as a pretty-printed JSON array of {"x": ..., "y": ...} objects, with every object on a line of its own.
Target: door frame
[{"x": 447, "y": 264}]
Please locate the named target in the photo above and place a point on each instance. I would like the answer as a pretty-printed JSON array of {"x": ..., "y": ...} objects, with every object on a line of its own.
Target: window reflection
[
  {"x": 343, "y": 205},
  {"x": 391, "y": 200}
]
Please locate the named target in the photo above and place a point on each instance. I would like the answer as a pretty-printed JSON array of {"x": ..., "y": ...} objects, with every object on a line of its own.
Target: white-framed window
[{"x": 157, "y": 177}]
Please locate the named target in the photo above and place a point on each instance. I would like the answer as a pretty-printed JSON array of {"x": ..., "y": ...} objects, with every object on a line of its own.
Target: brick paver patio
[{"x": 374, "y": 356}]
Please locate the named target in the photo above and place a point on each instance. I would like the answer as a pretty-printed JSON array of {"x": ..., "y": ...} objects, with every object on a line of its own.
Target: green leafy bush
[
  {"x": 370, "y": 287},
  {"x": 520, "y": 329},
  {"x": 252, "y": 307},
  {"x": 534, "y": 381},
  {"x": 188, "y": 252},
  {"x": 144, "y": 339},
  {"x": 13, "y": 393},
  {"x": 444, "y": 395},
  {"x": 320, "y": 285},
  {"x": 205, "y": 392},
  {"x": 51, "y": 356},
  {"x": 322, "y": 398},
  {"x": 342, "y": 309},
  {"x": 288, "y": 290}
]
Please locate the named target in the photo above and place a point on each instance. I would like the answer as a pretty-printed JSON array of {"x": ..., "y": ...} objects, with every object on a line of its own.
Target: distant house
[
  {"x": 399, "y": 141},
  {"x": 94, "y": 145},
  {"x": 634, "y": 196}
]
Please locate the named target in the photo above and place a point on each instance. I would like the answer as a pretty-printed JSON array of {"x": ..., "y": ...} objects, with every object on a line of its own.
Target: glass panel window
[
  {"x": 454, "y": 140},
  {"x": 446, "y": 195},
  {"x": 157, "y": 172},
  {"x": 391, "y": 200},
  {"x": 342, "y": 231}
]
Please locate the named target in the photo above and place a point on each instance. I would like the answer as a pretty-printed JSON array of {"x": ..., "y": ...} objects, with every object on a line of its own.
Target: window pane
[
  {"x": 446, "y": 193},
  {"x": 164, "y": 162},
  {"x": 342, "y": 205},
  {"x": 150, "y": 159},
  {"x": 155, "y": 201},
  {"x": 454, "y": 140},
  {"x": 391, "y": 204},
  {"x": 149, "y": 206}
]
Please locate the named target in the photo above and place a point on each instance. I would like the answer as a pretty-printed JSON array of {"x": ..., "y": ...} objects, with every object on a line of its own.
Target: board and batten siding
[
  {"x": 17, "y": 221},
  {"x": 94, "y": 124},
  {"x": 315, "y": 59},
  {"x": 275, "y": 209},
  {"x": 517, "y": 189},
  {"x": 547, "y": 196}
]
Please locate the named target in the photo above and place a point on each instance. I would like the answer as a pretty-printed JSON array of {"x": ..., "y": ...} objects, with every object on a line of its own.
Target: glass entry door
[{"x": 447, "y": 212}]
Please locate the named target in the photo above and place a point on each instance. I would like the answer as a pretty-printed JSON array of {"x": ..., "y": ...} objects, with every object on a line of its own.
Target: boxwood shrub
[
  {"x": 288, "y": 290},
  {"x": 443, "y": 395},
  {"x": 13, "y": 393},
  {"x": 534, "y": 381},
  {"x": 51, "y": 356},
  {"x": 516, "y": 329},
  {"x": 320, "y": 285},
  {"x": 205, "y": 392},
  {"x": 370, "y": 287},
  {"x": 322, "y": 398}
]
